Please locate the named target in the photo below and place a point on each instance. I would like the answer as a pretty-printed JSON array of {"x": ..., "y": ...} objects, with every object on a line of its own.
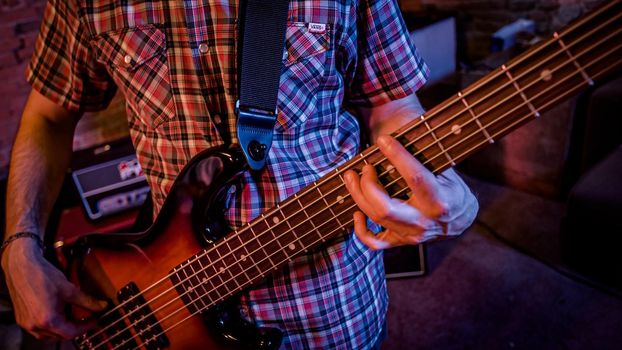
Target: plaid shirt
[{"x": 175, "y": 63}]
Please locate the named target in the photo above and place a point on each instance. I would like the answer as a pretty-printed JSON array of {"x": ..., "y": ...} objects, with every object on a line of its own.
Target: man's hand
[
  {"x": 40, "y": 293},
  {"x": 440, "y": 206},
  {"x": 38, "y": 290}
]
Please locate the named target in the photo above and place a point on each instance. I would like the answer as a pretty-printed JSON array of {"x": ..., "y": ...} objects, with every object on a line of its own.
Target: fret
[
  {"x": 438, "y": 142},
  {"x": 218, "y": 266},
  {"x": 573, "y": 58},
  {"x": 363, "y": 158},
  {"x": 456, "y": 129},
  {"x": 229, "y": 260},
  {"x": 229, "y": 249},
  {"x": 329, "y": 205},
  {"x": 520, "y": 91},
  {"x": 223, "y": 268},
  {"x": 205, "y": 278},
  {"x": 304, "y": 211},
  {"x": 268, "y": 229},
  {"x": 275, "y": 221},
  {"x": 242, "y": 257},
  {"x": 197, "y": 271},
  {"x": 262, "y": 246},
  {"x": 198, "y": 296},
  {"x": 190, "y": 294},
  {"x": 334, "y": 194},
  {"x": 285, "y": 220}
]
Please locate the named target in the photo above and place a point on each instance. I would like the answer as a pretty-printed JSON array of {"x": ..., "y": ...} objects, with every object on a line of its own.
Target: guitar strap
[{"x": 263, "y": 24}]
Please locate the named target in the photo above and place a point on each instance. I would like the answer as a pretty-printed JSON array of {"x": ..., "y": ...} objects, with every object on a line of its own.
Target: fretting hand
[{"x": 440, "y": 206}]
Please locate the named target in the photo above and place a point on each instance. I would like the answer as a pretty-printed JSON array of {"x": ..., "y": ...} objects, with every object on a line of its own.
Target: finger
[
  {"x": 426, "y": 195},
  {"x": 373, "y": 191},
  {"x": 62, "y": 329},
  {"x": 388, "y": 211},
  {"x": 75, "y": 296},
  {"x": 353, "y": 184},
  {"x": 366, "y": 236},
  {"x": 41, "y": 334}
]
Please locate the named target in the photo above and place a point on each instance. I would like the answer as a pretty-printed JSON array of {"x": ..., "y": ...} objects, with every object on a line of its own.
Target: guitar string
[
  {"x": 495, "y": 134},
  {"x": 426, "y": 147},
  {"x": 545, "y": 105},
  {"x": 466, "y": 94},
  {"x": 571, "y": 91},
  {"x": 515, "y": 94},
  {"x": 350, "y": 208},
  {"x": 509, "y": 83}
]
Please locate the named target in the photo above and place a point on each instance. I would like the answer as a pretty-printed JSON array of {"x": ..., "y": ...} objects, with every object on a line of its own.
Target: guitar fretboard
[{"x": 508, "y": 97}]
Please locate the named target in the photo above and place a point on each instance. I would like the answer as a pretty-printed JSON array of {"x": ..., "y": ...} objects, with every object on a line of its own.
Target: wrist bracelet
[{"x": 23, "y": 234}]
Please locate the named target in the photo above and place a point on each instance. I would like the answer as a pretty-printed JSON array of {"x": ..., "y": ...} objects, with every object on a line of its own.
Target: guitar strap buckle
[{"x": 255, "y": 130}]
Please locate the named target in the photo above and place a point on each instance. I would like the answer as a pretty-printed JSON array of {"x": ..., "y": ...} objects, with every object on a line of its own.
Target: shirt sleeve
[
  {"x": 63, "y": 66},
  {"x": 388, "y": 65}
]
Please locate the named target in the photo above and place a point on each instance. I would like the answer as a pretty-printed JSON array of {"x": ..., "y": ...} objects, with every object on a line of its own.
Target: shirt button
[
  {"x": 203, "y": 48},
  {"x": 217, "y": 119},
  {"x": 127, "y": 59}
]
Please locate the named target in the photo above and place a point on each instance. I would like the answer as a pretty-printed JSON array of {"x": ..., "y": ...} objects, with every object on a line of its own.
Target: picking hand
[
  {"x": 40, "y": 293},
  {"x": 440, "y": 206}
]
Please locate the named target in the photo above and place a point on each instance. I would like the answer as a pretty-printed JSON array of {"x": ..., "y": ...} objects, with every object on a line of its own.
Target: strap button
[
  {"x": 257, "y": 150},
  {"x": 203, "y": 48}
]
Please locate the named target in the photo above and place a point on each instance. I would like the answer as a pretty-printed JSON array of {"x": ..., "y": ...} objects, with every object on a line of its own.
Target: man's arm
[
  {"x": 40, "y": 156},
  {"x": 440, "y": 206}
]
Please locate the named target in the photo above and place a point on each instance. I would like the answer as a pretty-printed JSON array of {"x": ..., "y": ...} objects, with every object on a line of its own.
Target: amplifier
[{"x": 114, "y": 184}]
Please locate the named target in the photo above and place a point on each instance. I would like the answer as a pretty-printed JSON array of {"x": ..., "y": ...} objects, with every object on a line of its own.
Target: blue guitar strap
[{"x": 263, "y": 25}]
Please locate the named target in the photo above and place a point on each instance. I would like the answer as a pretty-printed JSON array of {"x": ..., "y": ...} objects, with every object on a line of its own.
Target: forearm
[{"x": 39, "y": 158}]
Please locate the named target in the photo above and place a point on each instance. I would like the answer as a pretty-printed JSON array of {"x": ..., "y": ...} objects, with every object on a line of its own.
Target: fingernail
[
  {"x": 347, "y": 177},
  {"x": 384, "y": 140}
]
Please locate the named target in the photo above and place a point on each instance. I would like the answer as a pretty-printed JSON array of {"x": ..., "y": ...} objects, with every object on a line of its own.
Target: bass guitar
[{"x": 170, "y": 285}]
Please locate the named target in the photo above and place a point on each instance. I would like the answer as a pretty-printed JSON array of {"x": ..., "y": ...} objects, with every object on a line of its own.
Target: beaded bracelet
[{"x": 23, "y": 234}]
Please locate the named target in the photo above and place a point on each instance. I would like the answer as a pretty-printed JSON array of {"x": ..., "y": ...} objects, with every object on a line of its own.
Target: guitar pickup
[{"x": 145, "y": 324}]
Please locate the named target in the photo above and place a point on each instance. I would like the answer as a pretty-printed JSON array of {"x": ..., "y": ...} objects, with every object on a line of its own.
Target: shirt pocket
[
  {"x": 304, "y": 61},
  {"x": 136, "y": 59}
]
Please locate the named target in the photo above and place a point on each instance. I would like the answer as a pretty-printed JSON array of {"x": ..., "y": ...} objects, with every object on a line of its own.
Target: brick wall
[
  {"x": 481, "y": 18},
  {"x": 19, "y": 25}
]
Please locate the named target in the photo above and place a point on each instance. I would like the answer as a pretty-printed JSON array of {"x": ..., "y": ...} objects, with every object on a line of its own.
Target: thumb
[{"x": 75, "y": 296}]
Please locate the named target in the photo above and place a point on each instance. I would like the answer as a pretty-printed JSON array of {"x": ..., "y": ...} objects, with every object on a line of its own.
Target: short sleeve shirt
[{"x": 175, "y": 63}]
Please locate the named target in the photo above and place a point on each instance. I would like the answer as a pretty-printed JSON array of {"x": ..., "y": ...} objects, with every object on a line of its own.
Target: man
[{"x": 174, "y": 61}]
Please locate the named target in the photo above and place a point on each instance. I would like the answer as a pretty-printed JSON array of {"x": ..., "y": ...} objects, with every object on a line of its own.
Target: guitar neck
[{"x": 500, "y": 102}]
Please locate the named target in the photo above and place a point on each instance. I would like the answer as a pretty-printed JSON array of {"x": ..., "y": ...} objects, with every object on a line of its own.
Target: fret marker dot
[
  {"x": 340, "y": 199},
  {"x": 456, "y": 129},
  {"x": 390, "y": 169},
  {"x": 243, "y": 257},
  {"x": 546, "y": 75},
  {"x": 204, "y": 279},
  {"x": 222, "y": 269},
  {"x": 276, "y": 219},
  {"x": 292, "y": 246}
]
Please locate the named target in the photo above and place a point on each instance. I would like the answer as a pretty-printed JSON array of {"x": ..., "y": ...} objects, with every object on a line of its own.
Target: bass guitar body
[{"x": 153, "y": 280}]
